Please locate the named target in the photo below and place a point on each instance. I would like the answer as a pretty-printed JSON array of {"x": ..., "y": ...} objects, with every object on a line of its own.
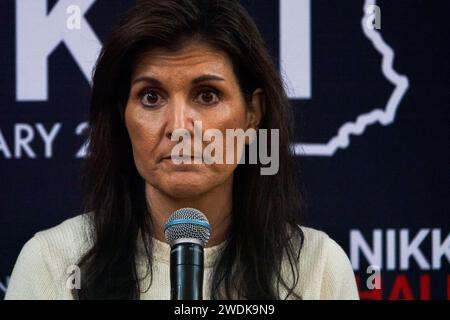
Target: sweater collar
[{"x": 161, "y": 252}]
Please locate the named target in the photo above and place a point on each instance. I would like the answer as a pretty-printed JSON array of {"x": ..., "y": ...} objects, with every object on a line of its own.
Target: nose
[{"x": 179, "y": 116}]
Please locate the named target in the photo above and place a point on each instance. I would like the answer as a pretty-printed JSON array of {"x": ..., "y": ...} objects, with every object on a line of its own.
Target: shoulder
[
  {"x": 318, "y": 244},
  {"x": 41, "y": 268},
  {"x": 325, "y": 269},
  {"x": 68, "y": 238}
]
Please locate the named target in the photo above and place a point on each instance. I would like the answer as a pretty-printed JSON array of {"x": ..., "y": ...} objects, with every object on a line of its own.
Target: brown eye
[
  {"x": 207, "y": 97},
  {"x": 151, "y": 99}
]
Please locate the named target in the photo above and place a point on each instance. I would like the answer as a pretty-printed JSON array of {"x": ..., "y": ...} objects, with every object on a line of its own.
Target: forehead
[{"x": 191, "y": 59}]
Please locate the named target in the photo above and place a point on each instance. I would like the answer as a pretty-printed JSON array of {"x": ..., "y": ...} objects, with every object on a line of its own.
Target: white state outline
[{"x": 384, "y": 117}]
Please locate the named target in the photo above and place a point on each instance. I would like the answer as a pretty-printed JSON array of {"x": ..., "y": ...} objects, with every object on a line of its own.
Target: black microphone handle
[{"x": 186, "y": 271}]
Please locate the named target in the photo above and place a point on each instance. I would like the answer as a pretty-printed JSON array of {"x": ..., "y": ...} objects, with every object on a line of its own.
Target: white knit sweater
[{"x": 44, "y": 265}]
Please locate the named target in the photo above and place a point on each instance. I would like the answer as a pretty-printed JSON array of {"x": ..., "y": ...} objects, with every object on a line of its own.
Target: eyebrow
[{"x": 156, "y": 82}]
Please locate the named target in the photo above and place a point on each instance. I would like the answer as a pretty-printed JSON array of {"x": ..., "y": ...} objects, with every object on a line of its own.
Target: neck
[{"x": 216, "y": 204}]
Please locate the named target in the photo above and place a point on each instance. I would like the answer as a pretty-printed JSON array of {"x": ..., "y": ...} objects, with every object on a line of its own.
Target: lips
[{"x": 188, "y": 157}]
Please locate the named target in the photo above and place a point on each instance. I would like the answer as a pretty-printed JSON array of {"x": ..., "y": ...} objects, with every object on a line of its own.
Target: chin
[
  {"x": 184, "y": 185},
  {"x": 182, "y": 191}
]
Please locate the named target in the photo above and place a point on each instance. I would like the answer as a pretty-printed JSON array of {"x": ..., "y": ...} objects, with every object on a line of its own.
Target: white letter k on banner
[{"x": 38, "y": 35}]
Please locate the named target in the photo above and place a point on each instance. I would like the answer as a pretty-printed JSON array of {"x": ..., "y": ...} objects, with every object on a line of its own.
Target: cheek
[
  {"x": 234, "y": 117},
  {"x": 229, "y": 115},
  {"x": 143, "y": 134}
]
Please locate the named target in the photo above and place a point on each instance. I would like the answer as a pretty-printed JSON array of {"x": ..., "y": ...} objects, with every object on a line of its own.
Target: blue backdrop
[{"x": 372, "y": 118}]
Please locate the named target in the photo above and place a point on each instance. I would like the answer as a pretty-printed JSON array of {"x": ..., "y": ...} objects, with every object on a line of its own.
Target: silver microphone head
[{"x": 187, "y": 225}]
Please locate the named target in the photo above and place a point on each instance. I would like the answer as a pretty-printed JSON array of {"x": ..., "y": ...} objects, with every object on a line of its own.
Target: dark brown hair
[{"x": 266, "y": 209}]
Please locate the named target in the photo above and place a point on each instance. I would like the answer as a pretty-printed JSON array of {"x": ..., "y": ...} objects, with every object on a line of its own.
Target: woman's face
[{"x": 171, "y": 90}]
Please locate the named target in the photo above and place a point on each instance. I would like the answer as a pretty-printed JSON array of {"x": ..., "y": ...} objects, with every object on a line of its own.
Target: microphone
[{"x": 187, "y": 230}]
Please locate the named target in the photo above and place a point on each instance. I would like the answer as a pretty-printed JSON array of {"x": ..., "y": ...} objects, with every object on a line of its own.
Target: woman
[{"x": 167, "y": 65}]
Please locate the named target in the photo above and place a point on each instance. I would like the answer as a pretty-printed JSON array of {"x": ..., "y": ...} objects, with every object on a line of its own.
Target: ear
[{"x": 256, "y": 109}]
